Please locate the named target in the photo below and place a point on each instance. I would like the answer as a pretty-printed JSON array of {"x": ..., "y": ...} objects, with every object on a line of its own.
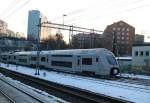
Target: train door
[
  {"x": 87, "y": 63},
  {"x": 79, "y": 63}
]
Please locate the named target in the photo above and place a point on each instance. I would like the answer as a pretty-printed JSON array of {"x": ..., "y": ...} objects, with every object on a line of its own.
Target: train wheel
[{"x": 114, "y": 71}]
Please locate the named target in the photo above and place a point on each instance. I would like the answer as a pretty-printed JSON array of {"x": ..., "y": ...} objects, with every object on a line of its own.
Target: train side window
[
  {"x": 43, "y": 59},
  {"x": 97, "y": 59},
  {"x": 87, "y": 61},
  {"x": 33, "y": 58},
  {"x": 78, "y": 61}
]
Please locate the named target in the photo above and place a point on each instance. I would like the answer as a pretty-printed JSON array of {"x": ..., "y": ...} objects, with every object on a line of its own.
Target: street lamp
[{"x": 64, "y": 17}]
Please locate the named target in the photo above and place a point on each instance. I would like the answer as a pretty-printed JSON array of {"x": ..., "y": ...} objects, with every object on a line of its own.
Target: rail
[
  {"x": 23, "y": 91},
  {"x": 84, "y": 94},
  {"x": 9, "y": 98}
]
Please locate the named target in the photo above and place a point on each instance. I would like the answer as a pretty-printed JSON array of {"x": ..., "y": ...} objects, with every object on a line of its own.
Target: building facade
[
  {"x": 4, "y": 31},
  {"x": 121, "y": 35},
  {"x": 139, "y": 38},
  {"x": 83, "y": 41},
  {"x": 141, "y": 55},
  {"x": 33, "y": 28}
]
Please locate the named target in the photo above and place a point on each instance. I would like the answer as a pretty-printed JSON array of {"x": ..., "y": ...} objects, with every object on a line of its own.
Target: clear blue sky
[{"x": 86, "y": 13}]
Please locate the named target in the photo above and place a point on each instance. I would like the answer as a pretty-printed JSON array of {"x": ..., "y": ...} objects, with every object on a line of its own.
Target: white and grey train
[{"x": 99, "y": 61}]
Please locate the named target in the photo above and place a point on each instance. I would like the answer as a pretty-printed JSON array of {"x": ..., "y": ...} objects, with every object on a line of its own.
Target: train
[{"x": 98, "y": 61}]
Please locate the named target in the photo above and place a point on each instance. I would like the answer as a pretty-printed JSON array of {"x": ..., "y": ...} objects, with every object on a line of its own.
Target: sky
[{"x": 95, "y": 14}]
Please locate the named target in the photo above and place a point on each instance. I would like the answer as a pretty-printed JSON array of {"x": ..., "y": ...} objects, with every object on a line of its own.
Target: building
[
  {"x": 121, "y": 36},
  {"x": 139, "y": 38},
  {"x": 141, "y": 55},
  {"x": 4, "y": 31},
  {"x": 84, "y": 40},
  {"x": 33, "y": 28}
]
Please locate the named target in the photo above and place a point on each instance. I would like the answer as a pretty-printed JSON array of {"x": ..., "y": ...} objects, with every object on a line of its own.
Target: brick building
[{"x": 122, "y": 35}]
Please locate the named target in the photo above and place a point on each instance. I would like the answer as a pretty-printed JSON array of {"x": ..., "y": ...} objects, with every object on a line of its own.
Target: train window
[
  {"x": 33, "y": 58},
  {"x": 43, "y": 59},
  {"x": 60, "y": 55},
  {"x": 78, "y": 61},
  {"x": 96, "y": 59},
  {"x": 87, "y": 61},
  {"x": 111, "y": 60},
  {"x": 61, "y": 64},
  {"x": 23, "y": 60}
]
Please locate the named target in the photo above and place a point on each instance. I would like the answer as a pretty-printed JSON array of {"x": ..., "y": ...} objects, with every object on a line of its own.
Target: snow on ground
[
  {"x": 130, "y": 92},
  {"x": 35, "y": 92},
  {"x": 135, "y": 76}
]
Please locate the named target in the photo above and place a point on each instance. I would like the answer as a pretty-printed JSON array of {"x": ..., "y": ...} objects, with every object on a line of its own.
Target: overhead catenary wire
[
  {"x": 9, "y": 8},
  {"x": 17, "y": 9},
  {"x": 113, "y": 13}
]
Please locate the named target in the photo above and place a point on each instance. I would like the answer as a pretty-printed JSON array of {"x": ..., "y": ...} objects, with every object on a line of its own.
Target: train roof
[{"x": 65, "y": 52}]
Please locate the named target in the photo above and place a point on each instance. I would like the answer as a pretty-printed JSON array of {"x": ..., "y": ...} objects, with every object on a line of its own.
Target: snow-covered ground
[
  {"x": 45, "y": 97},
  {"x": 135, "y": 76},
  {"x": 126, "y": 91}
]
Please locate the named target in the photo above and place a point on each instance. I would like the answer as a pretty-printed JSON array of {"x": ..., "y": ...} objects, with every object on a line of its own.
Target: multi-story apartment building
[
  {"x": 90, "y": 40},
  {"x": 33, "y": 28},
  {"x": 120, "y": 34}
]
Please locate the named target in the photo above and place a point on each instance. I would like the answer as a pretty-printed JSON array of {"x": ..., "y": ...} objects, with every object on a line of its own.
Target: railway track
[
  {"x": 36, "y": 100},
  {"x": 88, "y": 96},
  {"x": 9, "y": 99}
]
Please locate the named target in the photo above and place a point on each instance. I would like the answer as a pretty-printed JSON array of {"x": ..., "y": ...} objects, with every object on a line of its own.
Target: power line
[
  {"x": 10, "y": 7},
  {"x": 15, "y": 10},
  {"x": 118, "y": 12}
]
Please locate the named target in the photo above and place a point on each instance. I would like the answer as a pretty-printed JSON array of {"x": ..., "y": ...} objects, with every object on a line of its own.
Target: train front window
[
  {"x": 111, "y": 60},
  {"x": 87, "y": 61}
]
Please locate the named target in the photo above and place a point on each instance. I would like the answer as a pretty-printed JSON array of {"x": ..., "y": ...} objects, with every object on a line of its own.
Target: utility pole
[
  {"x": 115, "y": 50},
  {"x": 38, "y": 49}
]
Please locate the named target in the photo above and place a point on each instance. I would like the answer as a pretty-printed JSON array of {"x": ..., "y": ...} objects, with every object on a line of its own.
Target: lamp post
[{"x": 64, "y": 17}]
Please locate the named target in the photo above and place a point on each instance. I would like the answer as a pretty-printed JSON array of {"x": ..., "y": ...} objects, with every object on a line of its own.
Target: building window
[
  {"x": 114, "y": 28},
  {"x": 127, "y": 29},
  {"x": 147, "y": 53},
  {"x": 141, "y": 53},
  {"x": 122, "y": 38},
  {"x": 123, "y": 29},
  {"x": 118, "y": 33},
  {"x": 123, "y": 33},
  {"x": 87, "y": 61},
  {"x": 136, "y": 53},
  {"x": 118, "y": 29},
  {"x": 118, "y": 37}
]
